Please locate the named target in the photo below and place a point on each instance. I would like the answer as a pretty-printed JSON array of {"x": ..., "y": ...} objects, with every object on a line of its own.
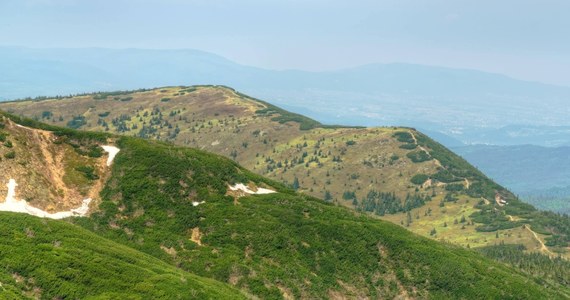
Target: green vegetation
[
  {"x": 443, "y": 175},
  {"x": 77, "y": 122},
  {"x": 55, "y": 260},
  {"x": 347, "y": 195},
  {"x": 116, "y": 94},
  {"x": 418, "y": 156},
  {"x": 47, "y": 115},
  {"x": 287, "y": 230},
  {"x": 408, "y": 146},
  {"x": 549, "y": 271},
  {"x": 10, "y": 155},
  {"x": 265, "y": 245},
  {"x": 456, "y": 187},
  {"x": 404, "y": 137},
  {"x": 388, "y": 203},
  {"x": 285, "y": 116},
  {"x": 419, "y": 179},
  {"x": 93, "y": 151},
  {"x": 88, "y": 172},
  {"x": 188, "y": 90},
  {"x": 62, "y": 133}
]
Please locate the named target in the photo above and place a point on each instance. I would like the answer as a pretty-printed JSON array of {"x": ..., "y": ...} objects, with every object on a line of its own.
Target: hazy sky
[{"x": 522, "y": 38}]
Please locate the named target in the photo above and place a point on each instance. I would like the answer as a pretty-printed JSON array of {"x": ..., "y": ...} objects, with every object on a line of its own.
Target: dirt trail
[
  {"x": 543, "y": 247},
  {"x": 437, "y": 163}
]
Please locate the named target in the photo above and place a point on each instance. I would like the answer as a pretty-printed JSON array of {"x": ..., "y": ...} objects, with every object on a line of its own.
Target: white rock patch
[
  {"x": 112, "y": 150},
  {"x": 196, "y": 203},
  {"x": 242, "y": 187},
  {"x": 22, "y": 206}
]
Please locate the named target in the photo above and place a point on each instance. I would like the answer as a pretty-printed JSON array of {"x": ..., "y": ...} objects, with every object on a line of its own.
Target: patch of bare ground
[
  {"x": 235, "y": 276},
  {"x": 285, "y": 292},
  {"x": 248, "y": 252},
  {"x": 169, "y": 250},
  {"x": 196, "y": 236},
  {"x": 32, "y": 291}
]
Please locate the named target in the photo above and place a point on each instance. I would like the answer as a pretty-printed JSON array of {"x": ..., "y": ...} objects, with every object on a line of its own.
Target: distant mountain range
[{"x": 471, "y": 106}]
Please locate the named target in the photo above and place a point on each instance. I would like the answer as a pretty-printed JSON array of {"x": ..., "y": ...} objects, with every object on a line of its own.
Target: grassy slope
[
  {"x": 325, "y": 161},
  {"x": 57, "y": 260}
]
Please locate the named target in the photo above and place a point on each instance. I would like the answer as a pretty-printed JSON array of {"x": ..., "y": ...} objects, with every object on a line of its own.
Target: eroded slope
[{"x": 49, "y": 174}]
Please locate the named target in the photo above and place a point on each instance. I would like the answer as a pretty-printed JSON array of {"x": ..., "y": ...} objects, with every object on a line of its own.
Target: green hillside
[
  {"x": 46, "y": 259},
  {"x": 279, "y": 244}
]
